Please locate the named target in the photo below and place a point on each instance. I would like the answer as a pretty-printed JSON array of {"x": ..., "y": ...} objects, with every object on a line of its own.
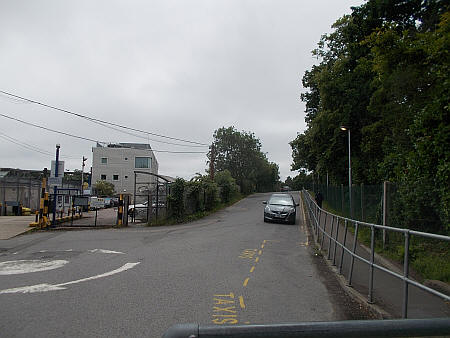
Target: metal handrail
[
  {"x": 351, "y": 328},
  {"x": 315, "y": 214}
]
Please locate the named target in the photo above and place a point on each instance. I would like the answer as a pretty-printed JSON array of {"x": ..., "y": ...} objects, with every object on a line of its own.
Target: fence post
[
  {"x": 331, "y": 236},
  {"x": 384, "y": 211},
  {"x": 342, "y": 198},
  {"x": 352, "y": 260},
  {"x": 362, "y": 202},
  {"x": 372, "y": 258},
  {"x": 318, "y": 223},
  {"x": 120, "y": 211},
  {"x": 324, "y": 229},
  {"x": 343, "y": 246},
  {"x": 405, "y": 275},
  {"x": 336, "y": 241}
]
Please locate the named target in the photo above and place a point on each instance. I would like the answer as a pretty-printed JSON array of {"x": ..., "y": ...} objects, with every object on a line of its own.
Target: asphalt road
[{"x": 228, "y": 268}]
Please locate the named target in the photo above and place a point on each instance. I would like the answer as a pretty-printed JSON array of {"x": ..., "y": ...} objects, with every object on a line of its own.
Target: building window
[
  {"x": 103, "y": 177},
  {"x": 115, "y": 177},
  {"x": 142, "y": 162},
  {"x": 126, "y": 177},
  {"x": 104, "y": 160}
]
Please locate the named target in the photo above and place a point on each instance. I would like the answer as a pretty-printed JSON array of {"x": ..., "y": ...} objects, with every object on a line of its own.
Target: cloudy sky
[{"x": 177, "y": 68}]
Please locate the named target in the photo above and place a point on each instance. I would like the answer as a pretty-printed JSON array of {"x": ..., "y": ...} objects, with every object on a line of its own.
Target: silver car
[{"x": 280, "y": 208}]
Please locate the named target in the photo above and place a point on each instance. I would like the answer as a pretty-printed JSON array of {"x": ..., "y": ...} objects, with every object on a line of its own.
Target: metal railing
[
  {"x": 318, "y": 220},
  {"x": 351, "y": 328}
]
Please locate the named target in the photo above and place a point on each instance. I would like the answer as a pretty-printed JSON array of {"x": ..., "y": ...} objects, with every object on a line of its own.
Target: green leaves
[
  {"x": 384, "y": 72},
  {"x": 104, "y": 188},
  {"x": 240, "y": 154}
]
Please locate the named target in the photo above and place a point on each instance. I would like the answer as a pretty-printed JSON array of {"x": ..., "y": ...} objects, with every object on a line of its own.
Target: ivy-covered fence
[{"x": 200, "y": 194}]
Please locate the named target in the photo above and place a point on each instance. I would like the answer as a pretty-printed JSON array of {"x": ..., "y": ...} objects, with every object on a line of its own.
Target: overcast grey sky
[{"x": 177, "y": 68}]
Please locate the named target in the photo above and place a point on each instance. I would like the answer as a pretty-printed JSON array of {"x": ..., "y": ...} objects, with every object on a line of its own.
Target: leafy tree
[
  {"x": 104, "y": 188},
  {"x": 384, "y": 73},
  {"x": 240, "y": 154}
]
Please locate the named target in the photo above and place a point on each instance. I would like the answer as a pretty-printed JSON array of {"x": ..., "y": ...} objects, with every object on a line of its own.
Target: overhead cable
[
  {"x": 29, "y": 146},
  {"x": 100, "y": 121},
  {"x": 89, "y": 139}
]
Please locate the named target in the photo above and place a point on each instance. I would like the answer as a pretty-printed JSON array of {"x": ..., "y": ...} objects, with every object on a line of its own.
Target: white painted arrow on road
[{"x": 50, "y": 287}]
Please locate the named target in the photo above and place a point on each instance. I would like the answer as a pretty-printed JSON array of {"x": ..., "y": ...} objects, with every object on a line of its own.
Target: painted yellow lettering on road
[
  {"x": 248, "y": 254},
  {"x": 241, "y": 302},
  {"x": 226, "y": 313},
  {"x": 256, "y": 259},
  {"x": 218, "y": 301},
  {"x": 246, "y": 281},
  {"x": 221, "y": 321},
  {"x": 252, "y": 269},
  {"x": 260, "y": 252},
  {"x": 224, "y": 309},
  {"x": 231, "y": 295}
]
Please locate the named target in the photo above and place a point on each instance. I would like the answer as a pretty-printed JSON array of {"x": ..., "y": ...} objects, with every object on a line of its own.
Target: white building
[{"x": 116, "y": 163}]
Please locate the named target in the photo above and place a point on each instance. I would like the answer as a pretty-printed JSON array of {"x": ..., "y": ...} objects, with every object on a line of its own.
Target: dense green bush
[{"x": 227, "y": 185}]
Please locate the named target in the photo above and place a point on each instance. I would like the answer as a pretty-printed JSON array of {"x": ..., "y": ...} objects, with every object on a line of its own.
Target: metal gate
[
  {"x": 77, "y": 211},
  {"x": 149, "y": 202}
]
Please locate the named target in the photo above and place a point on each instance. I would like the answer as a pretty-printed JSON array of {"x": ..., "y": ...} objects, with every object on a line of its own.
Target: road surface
[{"x": 228, "y": 268}]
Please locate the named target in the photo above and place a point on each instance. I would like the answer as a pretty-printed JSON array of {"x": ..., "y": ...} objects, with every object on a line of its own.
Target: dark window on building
[
  {"x": 103, "y": 177},
  {"x": 115, "y": 177},
  {"x": 142, "y": 162},
  {"x": 104, "y": 160}
]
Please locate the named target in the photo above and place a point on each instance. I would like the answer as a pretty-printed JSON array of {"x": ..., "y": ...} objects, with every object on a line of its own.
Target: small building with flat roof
[{"x": 116, "y": 163}]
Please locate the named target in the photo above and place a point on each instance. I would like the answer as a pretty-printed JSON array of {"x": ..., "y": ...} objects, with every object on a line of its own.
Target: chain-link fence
[{"x": 369, "y": 203}]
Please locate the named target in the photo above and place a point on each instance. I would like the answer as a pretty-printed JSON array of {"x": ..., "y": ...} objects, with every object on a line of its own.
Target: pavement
[
  {"x": 11, "y": 226},
  {"x": 387, "y": 289}
]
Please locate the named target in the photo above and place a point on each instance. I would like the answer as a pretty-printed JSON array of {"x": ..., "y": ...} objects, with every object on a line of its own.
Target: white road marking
[
  {"x": 51, "y": 287},
  {"x": 27, "y": 266},
  {"x": 106, "y": 251}
]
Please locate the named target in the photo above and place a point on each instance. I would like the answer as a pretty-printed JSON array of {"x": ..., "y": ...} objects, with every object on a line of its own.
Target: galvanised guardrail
[
  {"x": 316, "y": 215},
  {"x": 351, "y": 328}
]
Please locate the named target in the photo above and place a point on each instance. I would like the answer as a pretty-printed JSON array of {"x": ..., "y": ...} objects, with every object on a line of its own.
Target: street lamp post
[
  {"x": 344, "y": 128},
  {"x": 82, "y": 174}
]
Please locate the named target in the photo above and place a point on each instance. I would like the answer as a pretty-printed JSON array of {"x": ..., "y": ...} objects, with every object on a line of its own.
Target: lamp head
[{"x": 344, "y": 128}]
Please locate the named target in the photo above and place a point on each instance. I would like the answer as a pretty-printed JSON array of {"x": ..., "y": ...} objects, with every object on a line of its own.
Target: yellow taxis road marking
[
  {"x": 246, "y": 281},
  {"x": 256, "y": 259},
  {"x": 224, "y": 309},
  {"x": 252, "y": 269},
  {"x": 262, "y": 246},
  {"x": 260, "y": 252},
  {"x": 241, "y": 302}
]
